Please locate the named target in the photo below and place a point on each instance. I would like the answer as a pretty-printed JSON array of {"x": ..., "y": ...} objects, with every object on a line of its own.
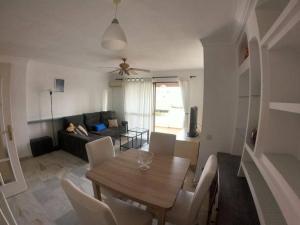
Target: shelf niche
[
  {"x": 267, "y": 208},
  {"x": 285, "y": 67},
  {"x": 283, "y": 133},
  {"x": 242, "y": 113},
  {"x": 267, "y": 11},
  {"x": 255, "y": 90},
  {"x": 243, "y": 50}
]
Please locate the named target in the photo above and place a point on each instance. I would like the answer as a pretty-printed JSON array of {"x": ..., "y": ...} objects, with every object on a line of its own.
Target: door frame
[
  {"x": 19, "y": 184},
  {"x": 154, "y": 96}
]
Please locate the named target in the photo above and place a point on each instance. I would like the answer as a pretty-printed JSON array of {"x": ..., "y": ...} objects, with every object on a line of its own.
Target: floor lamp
[{"x": 52, "y": 118}]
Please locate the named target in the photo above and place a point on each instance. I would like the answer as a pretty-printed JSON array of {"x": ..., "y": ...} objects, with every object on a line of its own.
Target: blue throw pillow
[{"x": 99, "y": 127}]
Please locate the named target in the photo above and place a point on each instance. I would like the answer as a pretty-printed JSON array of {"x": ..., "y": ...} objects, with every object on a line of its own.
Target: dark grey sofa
[
  {"x": 90, "y": 119},
  {"x": 75, "y": 143}
]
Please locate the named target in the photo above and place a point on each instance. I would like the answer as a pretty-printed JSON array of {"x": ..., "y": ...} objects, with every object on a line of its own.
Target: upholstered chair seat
[
  {"x": 125, "y": 213},
  {"x": 91, "y": 211},
  {"x": 192, "y": 208}
]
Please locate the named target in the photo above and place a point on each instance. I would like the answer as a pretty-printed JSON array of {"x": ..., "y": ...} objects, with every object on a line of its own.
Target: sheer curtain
[
  {"x": 184, "y": 84},
  {"x": 138, "y": 103}
]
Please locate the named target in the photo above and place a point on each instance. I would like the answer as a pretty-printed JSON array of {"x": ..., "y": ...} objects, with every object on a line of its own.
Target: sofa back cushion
[
  {"x": 107, "y": 115},
  {"x": 76, "y": 120},
  {"x": 91, "y": 119}
]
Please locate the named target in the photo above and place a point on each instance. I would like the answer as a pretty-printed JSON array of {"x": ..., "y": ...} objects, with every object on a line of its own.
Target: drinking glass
[{"x": 144, "y": 160}]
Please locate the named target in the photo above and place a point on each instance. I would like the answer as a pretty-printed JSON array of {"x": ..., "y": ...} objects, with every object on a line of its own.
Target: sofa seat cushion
[{"x": 113, "y": 132}]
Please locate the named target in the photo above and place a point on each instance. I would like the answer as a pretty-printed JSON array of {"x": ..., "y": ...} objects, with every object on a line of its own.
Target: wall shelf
[
  {"x": 268, "y": 210},
  {"x": 267, "y": 13},
  {"x": 244, "y": 66},
  {"x": 249, "y": 148},
  {"x": 272, "y": 165},
  {"x": 287, "y": 107},
  {"x": 285, "y": 167},
  {"x": 283, "y": 26},
  {"x": 4, "y": 160}
]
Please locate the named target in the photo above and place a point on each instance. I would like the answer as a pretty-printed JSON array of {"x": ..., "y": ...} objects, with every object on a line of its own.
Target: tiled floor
[{"x": 44, "y": 202}]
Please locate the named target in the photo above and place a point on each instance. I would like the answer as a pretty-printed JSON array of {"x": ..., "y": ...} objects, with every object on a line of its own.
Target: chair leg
[{"x": 97, "y": 192}]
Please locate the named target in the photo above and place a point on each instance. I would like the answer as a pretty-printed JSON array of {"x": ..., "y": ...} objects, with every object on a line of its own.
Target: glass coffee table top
[
  {"x": 129, "y": 134},
  {"x": 139, "y": 130}
]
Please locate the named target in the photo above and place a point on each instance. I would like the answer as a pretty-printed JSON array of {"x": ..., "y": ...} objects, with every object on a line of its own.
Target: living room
[{"x": 149, "y": 112}]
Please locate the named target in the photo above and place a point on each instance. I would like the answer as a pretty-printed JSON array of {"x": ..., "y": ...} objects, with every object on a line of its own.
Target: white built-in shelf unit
[{"x": 271, "y": 165}]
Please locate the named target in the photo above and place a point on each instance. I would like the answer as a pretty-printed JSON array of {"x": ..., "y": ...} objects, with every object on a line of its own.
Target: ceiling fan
[{"x": 125, "y": 69}]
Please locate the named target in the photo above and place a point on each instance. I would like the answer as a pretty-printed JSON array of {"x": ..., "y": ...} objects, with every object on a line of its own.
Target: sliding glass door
[{"x": 169, "y": 111}]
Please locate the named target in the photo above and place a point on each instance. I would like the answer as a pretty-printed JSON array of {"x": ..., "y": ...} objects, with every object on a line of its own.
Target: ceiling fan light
[{"x": 114, "y": 37}]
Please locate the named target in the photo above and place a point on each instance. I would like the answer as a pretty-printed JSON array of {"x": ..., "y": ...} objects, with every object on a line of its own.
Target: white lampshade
[{"x": 114, "y": 37}]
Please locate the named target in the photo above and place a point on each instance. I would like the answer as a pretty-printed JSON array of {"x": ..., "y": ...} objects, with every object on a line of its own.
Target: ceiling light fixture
[{"x": 114, "y": 37}]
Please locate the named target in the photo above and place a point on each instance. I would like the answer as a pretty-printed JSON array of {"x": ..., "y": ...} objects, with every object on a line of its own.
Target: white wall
[
  {"x": 219, "y": 100},
  {"x": 85, "y": 91},
  {"x": 18, "y": 102}
]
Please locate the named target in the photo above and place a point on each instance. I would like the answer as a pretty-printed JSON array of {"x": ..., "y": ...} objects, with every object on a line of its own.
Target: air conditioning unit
[{"x": 115, "y": 83}]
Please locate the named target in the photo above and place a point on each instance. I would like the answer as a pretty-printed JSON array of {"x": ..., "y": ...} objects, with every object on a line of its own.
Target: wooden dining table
[{"x": 156, "y": 187}]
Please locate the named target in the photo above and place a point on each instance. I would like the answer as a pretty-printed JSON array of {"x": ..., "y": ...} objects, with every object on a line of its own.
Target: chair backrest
[
  {"x": 5, "y": 212},
  {"x": 162, "y": 143},
  {"x": 90, "y": 211},
  {"x": 203, "y": 187},
  {"x": 99, "y": 151}
]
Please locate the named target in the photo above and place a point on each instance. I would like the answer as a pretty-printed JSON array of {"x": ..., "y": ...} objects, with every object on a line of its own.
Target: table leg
[
  {"x": 148, "y": 137},
  {"x": 161, "y": 216},
  {"x": 97, "y": 192}
]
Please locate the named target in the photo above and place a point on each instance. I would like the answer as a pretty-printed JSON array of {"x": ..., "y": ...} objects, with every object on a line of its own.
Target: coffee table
[
  {"x": 132, "y": 139},
  {"x": 140, "y": 131}
]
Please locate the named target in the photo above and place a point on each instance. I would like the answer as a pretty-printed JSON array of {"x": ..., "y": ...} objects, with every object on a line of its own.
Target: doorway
[
  {"x": 11, "y": 176},
  {"x": 168, "y": 108}
]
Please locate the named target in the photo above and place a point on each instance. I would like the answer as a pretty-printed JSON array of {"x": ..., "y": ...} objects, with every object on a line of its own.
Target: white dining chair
[
  {"x": 162, "y": 143},
  {"x": 112, "y": 212},
  {"x": 192, "y": 208},
  {"x": 98, "y": 152},
  {"x": 6, "y": 216}
]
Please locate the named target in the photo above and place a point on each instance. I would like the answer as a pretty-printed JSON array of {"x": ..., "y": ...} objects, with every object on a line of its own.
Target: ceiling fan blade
[
  {"x": 132, "y": 72},
  {"x": 115, "y": 70},
  {"x": 108, "y": 67},
  {"x": 142, "y": 70},
  {"x": 127, "y": 72}
]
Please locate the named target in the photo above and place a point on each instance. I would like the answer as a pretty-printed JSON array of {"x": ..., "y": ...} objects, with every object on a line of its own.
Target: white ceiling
[{"x": 162, "y": 34}]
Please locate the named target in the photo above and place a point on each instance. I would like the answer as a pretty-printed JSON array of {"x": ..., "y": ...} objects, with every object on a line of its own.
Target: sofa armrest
[
  {"x": 74, "y": 143},
  {"x": 124, "y": 126}
]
